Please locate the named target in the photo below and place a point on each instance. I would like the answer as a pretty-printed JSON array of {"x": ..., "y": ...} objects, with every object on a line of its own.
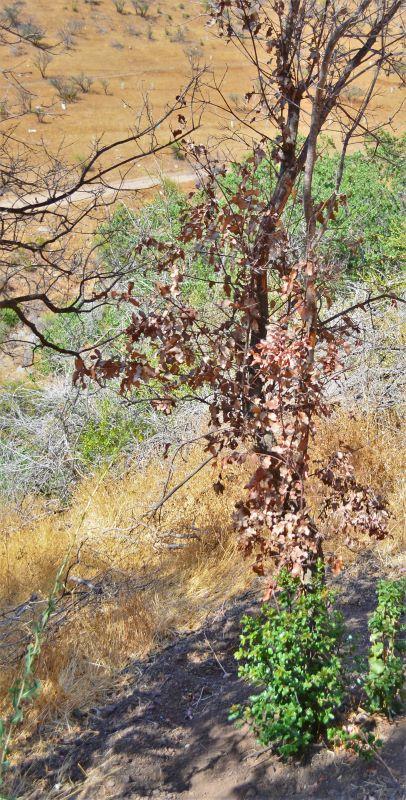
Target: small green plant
[
  {"x": 25, "y": 688},
  {"x": 8, "y": 320},
  {"x": 292, "y": 651},
  {"x": 103, "y": 440},
  {"x": 362, "y": 743},
  {"x": 177, "y": 151},
  {"x": 385, "y": 678}
]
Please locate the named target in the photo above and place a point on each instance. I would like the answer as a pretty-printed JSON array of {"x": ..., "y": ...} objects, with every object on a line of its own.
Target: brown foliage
[{"x": 262, "y": 361}]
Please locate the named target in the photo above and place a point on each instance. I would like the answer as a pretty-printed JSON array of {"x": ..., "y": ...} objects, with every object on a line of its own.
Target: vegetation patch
[
  {"x": 386, "y": 676},
  {"x": 105, "y": 439},
  {"x": 367, "y": 234},
  {"x": 8, "y": 321},
  {"x": 292, "y": 651}
]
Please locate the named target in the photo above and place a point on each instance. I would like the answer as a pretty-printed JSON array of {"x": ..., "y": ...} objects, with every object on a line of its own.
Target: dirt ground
[
  {"x": 166, "y": 735},
  {"x": 136, "y": 56}
]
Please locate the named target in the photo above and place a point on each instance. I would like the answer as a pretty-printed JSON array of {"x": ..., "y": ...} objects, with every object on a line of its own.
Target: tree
[
  {"x": 260, "y": 352},
  {"x": 49, "y": 207}
]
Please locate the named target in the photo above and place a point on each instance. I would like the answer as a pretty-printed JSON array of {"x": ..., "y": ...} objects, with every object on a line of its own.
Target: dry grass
[
  {"x": 181, "y": 586},
  {"x": 119, "y": 48},
  {"x": 378, "y": 445}
]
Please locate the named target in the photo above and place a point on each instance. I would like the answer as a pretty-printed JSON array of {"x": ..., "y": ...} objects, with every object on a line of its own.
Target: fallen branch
[{"x": 176, "y": 488}]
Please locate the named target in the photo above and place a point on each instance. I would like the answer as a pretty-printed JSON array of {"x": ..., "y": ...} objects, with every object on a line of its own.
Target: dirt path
[
  {"x": 166, "y": 736},
  {"x": 132, "y": 184}
]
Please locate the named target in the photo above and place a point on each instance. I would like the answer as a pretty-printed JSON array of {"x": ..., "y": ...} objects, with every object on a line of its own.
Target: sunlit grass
[{"x": 184, "y": 566}]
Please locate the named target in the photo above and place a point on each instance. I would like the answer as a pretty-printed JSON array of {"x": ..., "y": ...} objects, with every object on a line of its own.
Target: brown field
[{"x": 136, "y": 56}]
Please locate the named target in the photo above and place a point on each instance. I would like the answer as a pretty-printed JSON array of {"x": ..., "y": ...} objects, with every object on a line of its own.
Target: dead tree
[
  {"x": 261, "y": 357},
  {"x": 261, "y": 350}
]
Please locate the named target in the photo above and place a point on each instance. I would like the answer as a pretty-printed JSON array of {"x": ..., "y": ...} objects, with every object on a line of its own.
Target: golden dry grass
[
  {"x": 184, "y": 584},
  {"x": 378, "y": 445},
  {"x": 181, "y": 586}
]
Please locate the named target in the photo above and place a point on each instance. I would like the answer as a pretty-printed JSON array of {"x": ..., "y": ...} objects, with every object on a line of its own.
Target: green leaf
[{"x": 376, "y": 665}]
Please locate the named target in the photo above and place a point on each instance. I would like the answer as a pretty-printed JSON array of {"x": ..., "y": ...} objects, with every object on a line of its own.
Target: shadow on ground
[{"x": 167, "y": 735}]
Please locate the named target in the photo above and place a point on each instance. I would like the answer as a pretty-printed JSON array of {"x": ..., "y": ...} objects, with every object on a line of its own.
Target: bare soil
[
  {"x": 135, "y": 56},
  {"x": 166, "y": 735}
]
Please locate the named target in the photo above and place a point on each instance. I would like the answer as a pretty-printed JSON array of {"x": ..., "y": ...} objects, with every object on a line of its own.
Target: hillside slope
[
  {"x": 166, "y": 736},
  {"x": 126, "y": 56}
]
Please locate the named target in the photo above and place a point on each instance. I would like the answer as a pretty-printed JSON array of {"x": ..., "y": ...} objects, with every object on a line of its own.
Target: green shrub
[
  {"x": 385, "y": 678},
  {"x": 73, "y": 331},
  {"x": 8, "y": 319},
  {"x": 105, "y": 438},
  {"x": 63, "y": 330},
  {"x": 368, "y": 233},
  {"x": 367, "y": 236},
  {"x": 291, "y": 651},
  {"x": 160, "y": 219}
]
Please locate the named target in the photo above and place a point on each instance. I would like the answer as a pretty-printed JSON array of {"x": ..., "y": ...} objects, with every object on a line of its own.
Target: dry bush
[
  {"x": 25, "y": 100},
  {"x": 67, "y": 35},
  {"x": 105, "y": 86},
  {"x": 377, "y": 444},
  {"x": 179, "y": 36},
  {"x": 354, "y": 94},
  {"x": 66, "y": 88},
  {"x": 31, "y": 31},
  {"x": 142, "y": 7},
  {"x": 194, "y": 54},
  {"x": 131, "y": 30},
  {"x": 374, "y": 377},
  {"x": 4, "y": 110},
  {"x": 42, "y": 61},
  {"x": 83, "y": 82},
  {"x": 53, "y": 435}
]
